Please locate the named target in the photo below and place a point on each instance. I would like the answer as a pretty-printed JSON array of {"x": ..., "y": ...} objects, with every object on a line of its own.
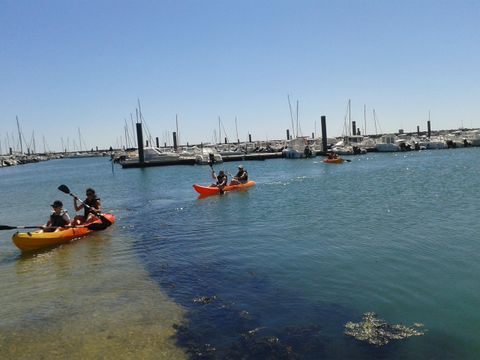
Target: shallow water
[{"x": 308, "y": 249}]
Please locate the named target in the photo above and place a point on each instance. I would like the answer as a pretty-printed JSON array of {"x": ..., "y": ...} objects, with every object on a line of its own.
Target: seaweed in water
[{"x": 378, "y": 332}]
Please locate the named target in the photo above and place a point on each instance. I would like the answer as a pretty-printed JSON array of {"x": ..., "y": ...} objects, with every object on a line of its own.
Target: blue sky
[{"x": 70, "y": 64}]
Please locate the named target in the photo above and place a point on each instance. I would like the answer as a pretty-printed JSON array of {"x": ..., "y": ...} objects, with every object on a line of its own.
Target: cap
[
  {"x": 57, "y": 203},
  {"x": 240, "y": 166}
]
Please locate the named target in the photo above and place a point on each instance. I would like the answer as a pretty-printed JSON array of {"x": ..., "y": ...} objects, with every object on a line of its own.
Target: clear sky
[{"x": 66, "y": 65}]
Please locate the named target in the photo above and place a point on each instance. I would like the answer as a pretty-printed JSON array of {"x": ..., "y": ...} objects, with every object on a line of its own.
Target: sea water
[{"x": 276, "y": 271}]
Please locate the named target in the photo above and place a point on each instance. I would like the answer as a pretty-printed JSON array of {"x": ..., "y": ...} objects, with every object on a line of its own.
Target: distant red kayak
[
  {"x": 333, "y": 161},
  {"x": 212, "y": 190}
]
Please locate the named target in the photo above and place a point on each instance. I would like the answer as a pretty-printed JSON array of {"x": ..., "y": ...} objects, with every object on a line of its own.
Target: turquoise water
[{"x": 308, "y": 249}]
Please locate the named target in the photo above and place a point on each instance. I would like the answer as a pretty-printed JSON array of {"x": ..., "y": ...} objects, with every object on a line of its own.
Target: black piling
[
  {"x": 226, "y": 142},
  {"x": 288, "y": 134},
  {"x": 324, "y": 133},
  {"x": 313, "y": 135},
  {"x": 249, "y": 137},
  {"x": 147, "y": 143},
  {"x": 358, "y": 132},
  {"x": 429, "y": 129},
  {"x": 354, "y": 127},
  {"x": 10, "y": 151},
  {"x": 141, "y": 155},
  {"x": 157, "y": 141},
  {"x": 175, "y": 146},
  {"x": 418, "y": 130}
]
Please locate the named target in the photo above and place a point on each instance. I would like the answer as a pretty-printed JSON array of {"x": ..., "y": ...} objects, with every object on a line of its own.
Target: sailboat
[
  {"x": 351, "y": 143},
  {"x": 299, "y": 147}
]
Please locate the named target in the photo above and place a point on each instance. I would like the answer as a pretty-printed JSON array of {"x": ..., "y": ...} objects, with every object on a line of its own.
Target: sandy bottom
[{"x": 76, "y": 302}]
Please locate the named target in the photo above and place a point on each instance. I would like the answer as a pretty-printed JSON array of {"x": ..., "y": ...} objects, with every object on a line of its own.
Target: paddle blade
[
  {"x": 6, "y": 227},
  {"x": 104, "y": 220},
  {"x": 64, "y": 188},
  {"x": 98, "y": 227}
]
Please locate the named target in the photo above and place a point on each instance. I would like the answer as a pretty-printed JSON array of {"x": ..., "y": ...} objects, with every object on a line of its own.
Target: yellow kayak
[{"x": 39, "y": 239}]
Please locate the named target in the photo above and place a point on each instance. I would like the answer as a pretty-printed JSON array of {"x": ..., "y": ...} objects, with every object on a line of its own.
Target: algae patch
[{"x": 378, "y": 332}]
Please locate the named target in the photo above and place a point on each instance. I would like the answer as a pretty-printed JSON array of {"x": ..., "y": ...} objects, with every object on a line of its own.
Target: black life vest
[
  {"x": 93, "y": 204},
  {"x": 221, "y": 179},
  {"x": 57, "y": 220},
  {"x": 241, "y": 173}
]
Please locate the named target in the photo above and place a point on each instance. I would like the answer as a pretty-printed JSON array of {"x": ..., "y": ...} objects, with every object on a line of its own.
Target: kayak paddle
[
  {"x": 7, "y": 227},
  {"x": 94, "y": 227},
  {"x": 105, "y": 222}
]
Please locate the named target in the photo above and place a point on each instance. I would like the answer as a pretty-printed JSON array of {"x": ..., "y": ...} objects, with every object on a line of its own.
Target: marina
[
  {"x": 331, "y": 263},
  {"x": 239, "y": 180}
]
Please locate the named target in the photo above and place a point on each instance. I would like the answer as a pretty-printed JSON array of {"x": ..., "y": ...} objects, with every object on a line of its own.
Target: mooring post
[
  {"x": 354, "y": 127},
  {"x": 157, "y": 141},
  {"x": 418, "y": 130},
  {"x": 288, "y": 134},
  {"x": 141, "y": 155},
  {"x": 175, "y": 141},
  {"x": 324, "y": 133},
  {"x": 429, "y": 129},
  {"x": 249, "y": 137}
]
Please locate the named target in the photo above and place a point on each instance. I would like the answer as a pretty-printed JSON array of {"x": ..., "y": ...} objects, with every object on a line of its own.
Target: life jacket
[
  {"x": 93, "y": 204},
  {"x": 221, "y": 179},
  {"x": 242, "y": 173},
  {"x": 57, "y": 220}
]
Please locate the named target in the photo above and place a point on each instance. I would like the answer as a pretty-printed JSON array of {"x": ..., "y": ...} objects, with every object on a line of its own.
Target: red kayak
[
  {"x": 213, "y": 190},
  {"x": 333, "y": 161}
]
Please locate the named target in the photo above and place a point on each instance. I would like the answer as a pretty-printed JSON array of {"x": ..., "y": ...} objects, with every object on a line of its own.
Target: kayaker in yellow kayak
[
  {"x": 241, "y": 177},
  {"x": 92, "y": 201},
  {"x": 58, "y": 218}
]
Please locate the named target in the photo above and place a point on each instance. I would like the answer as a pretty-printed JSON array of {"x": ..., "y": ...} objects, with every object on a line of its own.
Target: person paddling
[
  {"x": 221, "y": 180},
  {"x": 241, "y": 177},
  {"x": 95, "y": 207},
  {"x": 59, "y": 217}
]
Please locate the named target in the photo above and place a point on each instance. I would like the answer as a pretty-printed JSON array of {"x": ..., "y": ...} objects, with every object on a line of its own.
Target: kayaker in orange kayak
[
  {"x": 58, "y": 218},
  {"x": 95, "y": 207},
  {"x": 221, "y": 180},
  {"x": 241, "y": 177}
]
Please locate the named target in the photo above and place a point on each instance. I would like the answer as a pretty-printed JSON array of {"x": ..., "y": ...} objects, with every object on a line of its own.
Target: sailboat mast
[
  {"x": 79, "y": 139},
  {"x": 176, "y": 125},
  {"x": 236, "y": 129},
  {"x": 291, "y": 116},
  {"x": 349, "y": 117},
  {"x": 297, "y": 120},
  {"x": 365, "y": 119},
  {"x": 20, "y": 136},
  {"x": 219, "y": 131}
]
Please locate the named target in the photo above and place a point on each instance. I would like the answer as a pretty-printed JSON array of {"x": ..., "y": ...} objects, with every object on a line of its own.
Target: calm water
[{"x": 311, "y": 247}]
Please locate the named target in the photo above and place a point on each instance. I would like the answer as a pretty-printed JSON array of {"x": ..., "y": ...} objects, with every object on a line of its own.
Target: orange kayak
[
  {"x": 39, "y": 239},
  {"x": 212, "y": 190},
  {"x": 333, "y": 161}
]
